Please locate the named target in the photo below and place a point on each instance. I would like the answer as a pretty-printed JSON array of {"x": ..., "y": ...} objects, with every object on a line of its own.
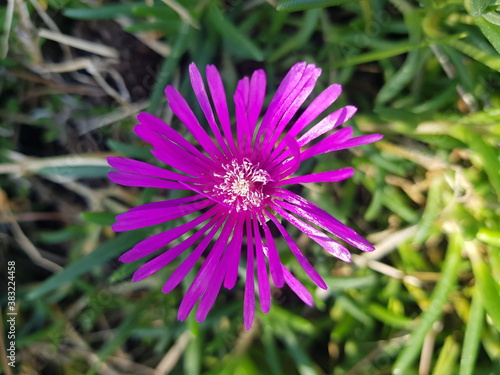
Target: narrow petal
[
  {"x": 292, "y": 104},
  {"x": 210, "y": 295},
  {"x": 333, "y": 139},
  {"x": 329, "y": 176},
  {"x": 308, "y": 268},
  {"x": 182, "y": 110},
  {"x": 289, "y": 82},
  {"x": 153, "y": 243},
  {"x": 159, "y": 129},
  {"x": 234, "y": 250},
  {"x": 318, "y": 105},
  {"x": 299, "y": 289},
  {"x": 168, "y": 203},
  {"x": 139, "y": 219},
  {"x": 130, "y": 179},
  {"x": 162, "y": 260},
  {"x": 201, "y": 95},
  {"x": 171, "y": 153},
  {"x": 180, "y": 272},
  {"x": 218, "y": 94},
  {"x": 249, "y": 298},
  {"x": 328, "y": 123},
  {"x": 281, "y": 170},
  {"x": 201, "y": 281},
  {"x": 331, "y": 246},
  {"x": 262, "y": 276},
  {"x": 272, "y": 253},
  {"x": 242, "y": 124},
  {"x": 256, "y": 97},
  {"x": 322, "y": 148},
  {"x": 145, "y": 169},
  {"x": 323, "y": 219}
]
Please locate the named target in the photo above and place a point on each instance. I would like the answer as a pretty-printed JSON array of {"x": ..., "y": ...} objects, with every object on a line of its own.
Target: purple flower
[{"x": 235, "y": 182}]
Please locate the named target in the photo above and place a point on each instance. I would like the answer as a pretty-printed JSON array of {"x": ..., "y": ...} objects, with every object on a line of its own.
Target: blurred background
[{"x": 73, "y": 75}]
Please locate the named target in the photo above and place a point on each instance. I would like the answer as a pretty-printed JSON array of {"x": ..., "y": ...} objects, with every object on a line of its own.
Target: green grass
[{"x": 427, "y": 195}]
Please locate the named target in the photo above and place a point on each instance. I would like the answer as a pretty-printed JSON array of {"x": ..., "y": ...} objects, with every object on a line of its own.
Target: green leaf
[
  {"x": 476, "y": 7},
  {"x": 122, "y": 333},
  {"x": 233, "y": 36},
  {"x": 398, "y": 49},
  {"x": 165, "y": 26},
  {"x": 160, "y": 12},
  {"x": 388, "y": 317},
  {"x": 472, "y": 338},
  {"x": 491, "y": 32},
  {"x": 100, "y": 255},
  {"x": 106, "y": 12},
  {"x": 76, "y": 171},
  {"x": 489, "y": 236},
  {"x": 302, "y": 37},
  {"x": 486, "y": 152},
  {"x": 492, "y": 17},
  {"x": 129, "y": 150},
  {"x": 486, "y": 287},
  {"x": 168, "y": 68},
  {"x": 447, "y": 359},
  {"x": 101, "y": 218},
  {"x": 296, "y": 5},
  {"x": 478, "y": 54},
  {"x": 434, "y": 312},
  {"x": 431, "y": 212}
]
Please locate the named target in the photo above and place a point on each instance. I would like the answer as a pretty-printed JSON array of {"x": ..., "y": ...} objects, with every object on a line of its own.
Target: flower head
[{"x": 234, "y": 180}]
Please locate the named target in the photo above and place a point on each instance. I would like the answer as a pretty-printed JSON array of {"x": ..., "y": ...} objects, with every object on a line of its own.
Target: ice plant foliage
[{"x": 234, "y": 180}]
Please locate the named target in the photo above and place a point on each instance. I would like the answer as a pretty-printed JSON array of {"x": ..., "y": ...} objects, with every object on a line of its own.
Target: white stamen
[{"x": 242, "y": 184}]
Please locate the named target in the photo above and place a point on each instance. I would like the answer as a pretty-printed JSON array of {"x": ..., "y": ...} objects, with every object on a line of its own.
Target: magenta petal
[
  {"x": 331, "y": 246},
  {"x": 308, "y": 268},
  {"x": 162, "y": 260},
  {"x": 292, "y": 104},
  {"x": 273, "y": 256},
  {"x": 325, "y": 146},
  {"x": 182, "y": 110},
  {"x": 292, "y": 164},
  {"x": 299, "y": 289},
  {"x": 201, "y": 95},
  {"x": 318, "y": 105},
  {"x": 180, "y": 272},
  {"x": 243, "y": 127},
  {"x": 153, "y": 243},
  {"x": 249, "y": 298},
  {"x": 218, "y": 94},
  {"x": 172, "y": 154},
  {"x": 330, "y": 176},
  {"x": 256, "y": 97},
  {"x": 215, "y": 283},
  {"x": 234, "y": 250},
  {"x": 139, "y": 219},
  {"x": 323, "y": 219},
  {"x": 167, "y": 204},
  {"x": 289, "y": 82},
  {"x": 328, "y": 123},
  {"x": 159, "y": 130},
  {"x": 262, "y": 277},
  {"x": 328, "y": 144},
  {"x": 201, "y": 281},
  {"x": 145, "y": 169},
  {"x": 130, "y": 179}
]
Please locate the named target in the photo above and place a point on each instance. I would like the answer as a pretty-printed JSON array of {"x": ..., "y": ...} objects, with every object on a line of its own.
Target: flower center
[{"x": 242, "y": 184}]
